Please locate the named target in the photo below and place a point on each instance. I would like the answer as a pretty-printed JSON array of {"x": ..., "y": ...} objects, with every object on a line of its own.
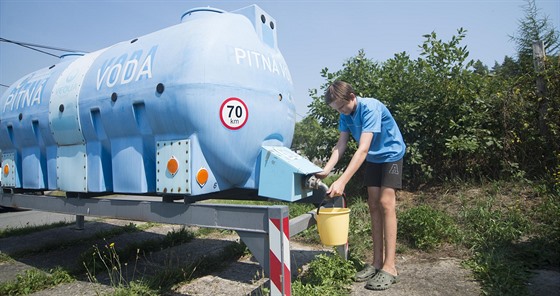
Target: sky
[{"x": 312, "y": 34}]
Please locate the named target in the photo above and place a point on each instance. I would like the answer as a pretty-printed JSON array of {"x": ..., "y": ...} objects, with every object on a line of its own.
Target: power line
[
  {"x": 40, "y": 46},
  {"x": 33, "y": 46},
  {"x": 29, "y": 47}
]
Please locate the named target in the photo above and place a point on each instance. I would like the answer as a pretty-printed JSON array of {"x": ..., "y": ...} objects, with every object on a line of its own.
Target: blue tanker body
[{"x": 189, "y": 110}]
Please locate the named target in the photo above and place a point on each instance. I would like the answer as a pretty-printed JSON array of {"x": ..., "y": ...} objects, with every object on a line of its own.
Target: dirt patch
[
  {"x": 78, "y": 288},
  {"x": 440, "y": 277}
]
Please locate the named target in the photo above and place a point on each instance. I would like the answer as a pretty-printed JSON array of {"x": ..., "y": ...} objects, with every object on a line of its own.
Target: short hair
[{"x": 338, "y": 90}]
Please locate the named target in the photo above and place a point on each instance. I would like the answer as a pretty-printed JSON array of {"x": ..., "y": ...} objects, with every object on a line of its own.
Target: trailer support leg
[{"x": 80, "y": 222}]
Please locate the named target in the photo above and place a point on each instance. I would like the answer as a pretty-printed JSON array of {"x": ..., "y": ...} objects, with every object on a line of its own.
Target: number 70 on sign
[{"x": 234, "y": 113}]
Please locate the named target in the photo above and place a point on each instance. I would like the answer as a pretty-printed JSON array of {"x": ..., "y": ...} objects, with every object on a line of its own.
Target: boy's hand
[
  {"x": 322, "y": 175},
  {"x": 336, "y": 189}
]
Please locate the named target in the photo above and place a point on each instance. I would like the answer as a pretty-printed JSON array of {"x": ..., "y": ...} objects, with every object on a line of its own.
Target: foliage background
[{"x": 460, "y": 119}]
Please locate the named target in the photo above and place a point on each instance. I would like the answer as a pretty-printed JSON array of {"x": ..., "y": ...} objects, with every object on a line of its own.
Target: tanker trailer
[{"x": 196, "y": 109}]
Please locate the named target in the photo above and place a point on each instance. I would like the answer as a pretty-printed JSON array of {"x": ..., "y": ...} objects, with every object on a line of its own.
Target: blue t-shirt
[{"x": 373, "y": 116}]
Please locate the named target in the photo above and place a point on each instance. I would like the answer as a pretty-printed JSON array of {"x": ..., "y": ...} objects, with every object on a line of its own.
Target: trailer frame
[{"x": 266, "y": 230}]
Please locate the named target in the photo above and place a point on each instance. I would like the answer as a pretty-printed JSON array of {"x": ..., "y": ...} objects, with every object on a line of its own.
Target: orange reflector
[
  {"x": 202, "y": 176},
  {"x": 172, "y": 165},
  {"x": 6, "y": 169}
]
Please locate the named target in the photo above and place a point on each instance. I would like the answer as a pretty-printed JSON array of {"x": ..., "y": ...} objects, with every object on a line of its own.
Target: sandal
[
  {"x": 365, "y": 274},
  {"x": 381, "y": 281}
]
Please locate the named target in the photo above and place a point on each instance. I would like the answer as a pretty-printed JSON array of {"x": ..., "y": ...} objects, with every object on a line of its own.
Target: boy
[{"x": 381, "y": 145}]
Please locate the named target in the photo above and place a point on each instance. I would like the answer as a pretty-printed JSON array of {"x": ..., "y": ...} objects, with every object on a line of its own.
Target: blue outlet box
[{"x": 282, "y": 174}]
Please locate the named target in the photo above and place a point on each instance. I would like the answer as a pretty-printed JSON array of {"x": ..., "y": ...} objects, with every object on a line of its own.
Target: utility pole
[{"x": 539, "y": 58}]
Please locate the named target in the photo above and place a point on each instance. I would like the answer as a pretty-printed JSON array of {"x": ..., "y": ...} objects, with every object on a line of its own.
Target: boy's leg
[
  {"x": 388, "y": 205},
  {"x": 376, "y": 213}
]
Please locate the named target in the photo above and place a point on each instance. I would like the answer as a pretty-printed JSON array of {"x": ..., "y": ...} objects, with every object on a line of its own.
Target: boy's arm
[
  {"x": 336, "y": 154},
  {"x": 337, "y": 188}
]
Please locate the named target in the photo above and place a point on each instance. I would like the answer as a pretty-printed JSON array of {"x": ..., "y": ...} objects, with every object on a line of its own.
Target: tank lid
[
  {"x": 71, "y": 55},
  {"x": 198, "y": 12}
]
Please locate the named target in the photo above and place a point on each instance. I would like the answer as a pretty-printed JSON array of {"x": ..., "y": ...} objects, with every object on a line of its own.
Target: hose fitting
[{"x": 313, "y": 182}]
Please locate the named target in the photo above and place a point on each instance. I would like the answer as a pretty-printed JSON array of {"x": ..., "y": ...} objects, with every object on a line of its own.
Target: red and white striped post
[{"x": 279, "y": 253}]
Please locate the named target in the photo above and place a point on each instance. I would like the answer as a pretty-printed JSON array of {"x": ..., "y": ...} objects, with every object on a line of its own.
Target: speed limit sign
[{"x": 234, "y": 113}]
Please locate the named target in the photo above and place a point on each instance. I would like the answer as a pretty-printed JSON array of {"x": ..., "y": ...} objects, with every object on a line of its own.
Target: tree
[
  {"x": 533, "y": 28},
  {"x": 540, "y": 132},
  {"x": 311, "y": 140},
  {"x": 458, "y": 120},
  {"x": 508, "y": 68},
  {"x": 435, "y": 100},
  {"x": 480, "y": 68}
]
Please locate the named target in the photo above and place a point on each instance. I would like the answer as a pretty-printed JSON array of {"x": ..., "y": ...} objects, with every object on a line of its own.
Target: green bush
[
  {"x": 425, "y": 228},
  {"x": 457, "y": 118},
  {"x": 327, "y": 275}
]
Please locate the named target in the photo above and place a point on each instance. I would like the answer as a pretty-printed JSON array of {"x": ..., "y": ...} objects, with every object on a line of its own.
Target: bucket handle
[{"x": 323, "y": 202}]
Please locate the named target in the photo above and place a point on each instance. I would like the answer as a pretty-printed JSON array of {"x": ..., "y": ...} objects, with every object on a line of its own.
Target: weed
[
  {"x": 167, "y": 277},
  {"x": 426, "y": 228},
  {"x": 487, "y": 226},
  {"x": 5, "y": 257},
  {"x": 493, "y": 230},
  {"x": 359, "y": 232},
  {"x": 114, "y": 261},
  {"x": 111, "y": 262},
  {"x": 547, "y": 229},
  {"x": 326, "y": 275},
  {"x": 134, "y": 249},
  {"x": 499, "y": 272},
  {"x": 135, "y": 289},
  {"x": 68, "y": 243},
  {"x": 547, "y": 215},
  {"x": 33, "y": 280},
  {"x": 9, "y": 231}
]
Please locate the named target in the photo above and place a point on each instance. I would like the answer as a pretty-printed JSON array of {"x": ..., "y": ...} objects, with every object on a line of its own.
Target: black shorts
[{"x": 387, "y": 174}]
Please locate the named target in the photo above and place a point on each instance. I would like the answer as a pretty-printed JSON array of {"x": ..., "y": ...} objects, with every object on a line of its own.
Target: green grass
[
  {"x": 328, "y": 274},
  {"x": 18, "y": 231},
  {"x": 5, "y": 258},
  {"x": 493, "y": 234},
  {"x": 96, "y": 258},
  {"x": 426, "y": 228},
  {"x": 502, "y": 230},
  {"x": 135, "y": 288},
  {"x": 165, "y": 279},
  {"x": 33, "y": 280},
  {"x": 131, "y": 227},
  {"x": 109, "y": 261}
]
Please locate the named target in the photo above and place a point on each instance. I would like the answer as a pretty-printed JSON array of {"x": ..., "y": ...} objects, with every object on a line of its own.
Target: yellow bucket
[{"x": 333, "y": 224}]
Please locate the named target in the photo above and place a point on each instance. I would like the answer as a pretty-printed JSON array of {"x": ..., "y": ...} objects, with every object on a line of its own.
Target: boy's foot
[
  {"x": 365, "y": 274},
  {"x": 382, "y": 281}
]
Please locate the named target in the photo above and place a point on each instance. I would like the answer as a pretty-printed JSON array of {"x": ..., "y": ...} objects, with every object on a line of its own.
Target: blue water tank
[{"x": 183, "y": 110}]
